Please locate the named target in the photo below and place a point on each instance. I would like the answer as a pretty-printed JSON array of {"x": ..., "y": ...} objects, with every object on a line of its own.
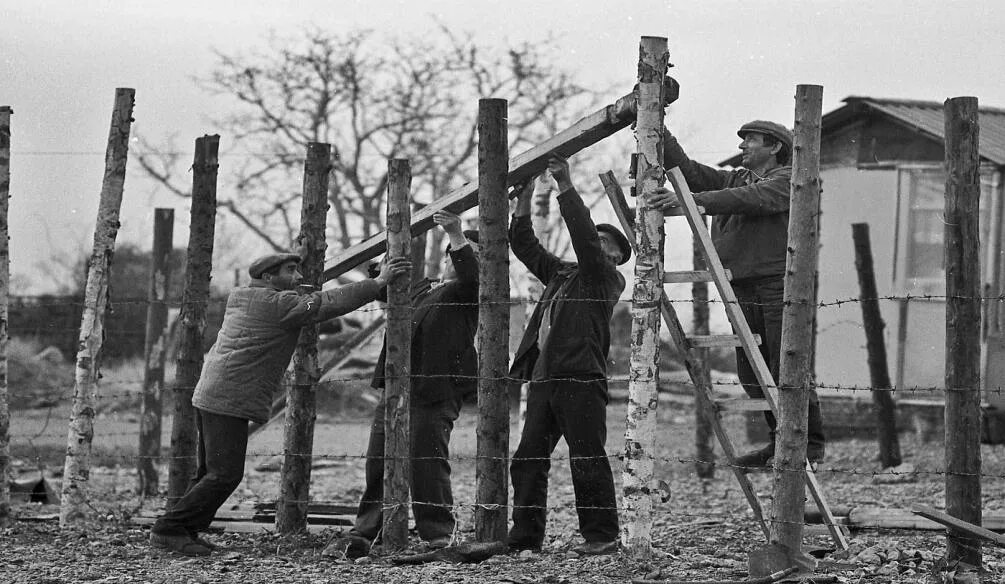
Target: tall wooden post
[
  {"x": 879, "y": 371},
  {"x": 704, "y": 448},
  {"x": 963, "y": 347},
  {"x": 80, "y": 431},
  {"x": 195, "y": 298},
  {"x": 5, "y": 113},
  {"x": 796, "y": 369},
  {"x": 492, "y": 465},
  {"x": 155, "y": 351},
  {"x": 397, "y": 389},
  {"x": 643, "y": 377},
  {"x": 301, "y": 399}
]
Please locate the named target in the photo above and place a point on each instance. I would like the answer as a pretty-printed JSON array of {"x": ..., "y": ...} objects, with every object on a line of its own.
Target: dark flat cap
[
  {"x": 776, "y": 130},
  {"x": 267, "y": 262},
  {"x": 622, "y": 241}
]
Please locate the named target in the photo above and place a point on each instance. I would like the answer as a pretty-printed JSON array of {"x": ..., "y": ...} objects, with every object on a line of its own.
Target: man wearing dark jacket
[
  {"x": 750, "y": 232},
  {"x": 564, "y": 356},
  {"x": 260, "y": 329},
  {"x": 444, "y": 368}
]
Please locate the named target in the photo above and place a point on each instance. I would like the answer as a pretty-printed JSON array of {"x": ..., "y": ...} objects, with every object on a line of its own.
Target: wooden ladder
[{"x": 711, "y": 405}]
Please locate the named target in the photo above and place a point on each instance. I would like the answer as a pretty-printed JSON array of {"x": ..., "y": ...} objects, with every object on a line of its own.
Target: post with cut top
[
  {"x": 301, "y": 398},
  {"x": 879, "y": 370},
  {"x": 5, "y": 113},
  {"x": 643, "y": 376},
  {"x": 397, "y": 369},
  {"x": 492, "y": 465},
  {"x": 798, "y": 313},
  {"x": 963, "y": 342},
  {"x": 80, "y": 430},
  {"x": 154, "y": 353},
  {"x": 194, "y": 304}
]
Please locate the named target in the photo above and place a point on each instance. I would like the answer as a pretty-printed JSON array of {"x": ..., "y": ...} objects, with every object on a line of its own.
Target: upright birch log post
[
  {"x": 301, "y": 398},
  {"x": 963, "y": 312},
  {"x": 397, "y": 389},
  {"x": 155, "y": 352},
  {"x": 195, "y": 298},
  {"x": 879, "y": 371},
  {"x": 492, "y": 465},
  {"x": 80, "y": 431},
  {"x": 5, "y": 113},
  {"x": 795, "y": 371},
  {"x": 643, "y": 376},
  {"x": 704, "y": 449}
]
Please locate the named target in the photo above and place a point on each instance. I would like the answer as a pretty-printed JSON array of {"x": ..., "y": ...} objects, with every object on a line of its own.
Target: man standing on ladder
[
  {"x": 750, "y": 209},
  {"x": 564, "y": 355}
]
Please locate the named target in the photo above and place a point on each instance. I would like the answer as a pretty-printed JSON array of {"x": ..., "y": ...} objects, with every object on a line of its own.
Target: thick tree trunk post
[
  {"x": 195, "y": 298},
  {"x": 879, "y": 372},
  {"x": 5, "y": 113},
  {"x": 492, "y": 465},
  {"x": 963, "y": 311},
  {"x": 643, "y": 377},
  {"x": 80, "y": 432},
  {"x": 796, "y": 370},
  {"x": 397, "y": 442},
  {"x": 301, "y": 399},
  {"x": 155, "y": 352},
  {"x": 704, "y": 448}
]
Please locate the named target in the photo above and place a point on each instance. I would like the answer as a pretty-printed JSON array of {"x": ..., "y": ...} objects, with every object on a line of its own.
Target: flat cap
[
  {"x": 622, "y": 241},
  {"x": 774, "y": 129},
  {"x": 267, "y": 262}
]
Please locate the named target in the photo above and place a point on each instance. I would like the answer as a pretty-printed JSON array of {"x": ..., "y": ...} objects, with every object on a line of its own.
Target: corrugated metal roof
[
  {"x": 927, "y": 117},
  {"x": 923, "y": 116}
]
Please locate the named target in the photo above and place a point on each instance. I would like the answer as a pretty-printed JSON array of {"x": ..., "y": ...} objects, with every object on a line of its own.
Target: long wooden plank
[
  {"x": 698, "y": 374},
  {"x": 958, "y": 524},
  {"x": 582, "y": 134}
]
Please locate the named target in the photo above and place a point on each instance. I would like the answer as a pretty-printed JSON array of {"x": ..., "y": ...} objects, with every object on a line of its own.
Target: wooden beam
[
  {"x": 958, "y": 524},
  {"x": 584, "y": 133}
]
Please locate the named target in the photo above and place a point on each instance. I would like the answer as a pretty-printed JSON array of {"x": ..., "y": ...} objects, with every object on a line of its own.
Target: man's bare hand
[
  {"x": 558, "y": 166},
  {"x": 449, "y": 222},
  {"x": 663, "y": 199},
  {"x": 391, "y": 269}
]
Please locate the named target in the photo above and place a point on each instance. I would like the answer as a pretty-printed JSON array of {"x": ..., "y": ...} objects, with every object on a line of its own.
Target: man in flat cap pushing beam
[
  {"x": 242, "y": 371},
  {"x": 564, "y": 356},
  {"x": 750, "y": 209}
]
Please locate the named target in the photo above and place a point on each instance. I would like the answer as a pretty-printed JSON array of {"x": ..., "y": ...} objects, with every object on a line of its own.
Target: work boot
[
  {"x": 180, "y": 544},
  {"x": 203, "y": 541},
  {"x": 756, "y": 459},
  {"x": 596, "y": 548}
]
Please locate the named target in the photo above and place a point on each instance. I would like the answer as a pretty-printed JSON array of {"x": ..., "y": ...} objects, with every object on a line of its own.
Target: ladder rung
[
  {"x": 686, "y": 276},
  {"x": 708, "y": 341},
  {"x": 679, "y": 211},
  {"x": 742, "y": 404}
]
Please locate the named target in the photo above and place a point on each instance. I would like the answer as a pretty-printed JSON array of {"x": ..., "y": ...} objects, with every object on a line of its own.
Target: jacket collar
[{"x": 260, "y": 283}]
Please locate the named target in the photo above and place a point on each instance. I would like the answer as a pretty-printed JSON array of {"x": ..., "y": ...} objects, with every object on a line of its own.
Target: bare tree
[{"x": 372, "y": 98}]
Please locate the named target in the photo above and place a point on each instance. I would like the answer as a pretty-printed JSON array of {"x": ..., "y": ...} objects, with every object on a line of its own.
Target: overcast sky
[{"x": 60, "y": 61}]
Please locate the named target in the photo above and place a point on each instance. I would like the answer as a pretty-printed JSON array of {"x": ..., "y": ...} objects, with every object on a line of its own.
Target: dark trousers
[
  {"x": 220, "y": 454},
  {"x": 432, "y": 499},
  {"x": 762, "y": 302},
  {"x": 577, "y": 411}
]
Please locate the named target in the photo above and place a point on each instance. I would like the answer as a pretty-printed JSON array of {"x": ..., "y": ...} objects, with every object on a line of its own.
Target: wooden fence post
[
  {"x": 80, "y": 430},
  {"x": 5, "y": 113},
  {"x": 879, "y": 371},
  {"x": 796, "y": 368},
  {"x": 643, "y": 377},
  {"x": 492, "y": 464},
  {"x": 195, "y": 298},
  {"x": 704, "y": 448},
  {"x": 963, "y": 311},
  {"x": 155, "y": 352},
  {"x": 301, "y": 399},
  {"x": 398, "y": 367}
]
